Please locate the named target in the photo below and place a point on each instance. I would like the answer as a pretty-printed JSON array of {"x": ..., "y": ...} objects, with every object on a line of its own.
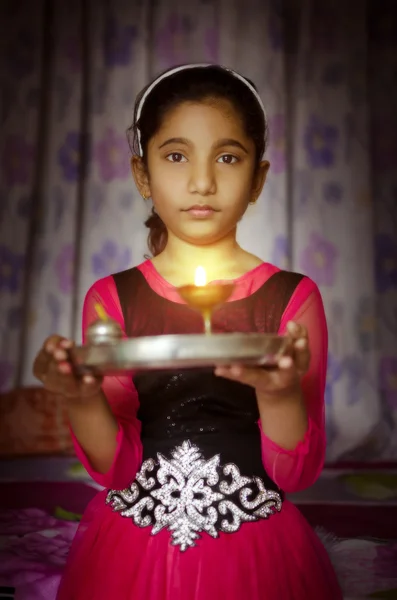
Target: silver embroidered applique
[{"x": 188, "y": 496}]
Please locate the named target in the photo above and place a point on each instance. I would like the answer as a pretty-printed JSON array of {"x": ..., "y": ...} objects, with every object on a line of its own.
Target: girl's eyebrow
[
  {"x": 218, "y": 144},
  {"x": 230, "y": 142},
  {"x": 176, "y": 140}
]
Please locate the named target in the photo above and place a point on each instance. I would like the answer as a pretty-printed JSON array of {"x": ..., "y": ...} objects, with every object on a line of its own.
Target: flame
[{"x": 200, "y": 277}]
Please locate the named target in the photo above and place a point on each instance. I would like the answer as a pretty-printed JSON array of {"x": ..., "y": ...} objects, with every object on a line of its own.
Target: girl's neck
[{"x": 223, "y": 260}]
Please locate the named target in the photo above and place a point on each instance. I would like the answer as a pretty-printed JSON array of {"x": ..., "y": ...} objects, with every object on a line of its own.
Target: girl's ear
[
  {"x": 140, "y": 175},
  {"x": 259, "y": 179}
]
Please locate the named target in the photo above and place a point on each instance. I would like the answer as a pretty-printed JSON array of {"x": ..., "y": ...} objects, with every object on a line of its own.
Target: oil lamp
[{"x": 205, "y": 297}]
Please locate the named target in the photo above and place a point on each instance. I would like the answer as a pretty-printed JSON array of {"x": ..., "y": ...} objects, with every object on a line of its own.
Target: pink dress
[{"x": 276, "y": 557}]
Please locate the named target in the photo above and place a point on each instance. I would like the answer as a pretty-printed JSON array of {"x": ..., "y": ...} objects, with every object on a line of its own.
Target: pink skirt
[{"x": 280, "y": 557}]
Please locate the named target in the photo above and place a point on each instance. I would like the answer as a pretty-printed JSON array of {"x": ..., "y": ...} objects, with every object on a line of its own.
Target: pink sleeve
[
  {"x": 121, "y": 395},
  {"x": 297, "y": 469}
]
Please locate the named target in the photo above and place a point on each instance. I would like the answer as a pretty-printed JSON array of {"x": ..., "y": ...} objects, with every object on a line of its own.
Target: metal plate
[{"x": 179, "y": 352}]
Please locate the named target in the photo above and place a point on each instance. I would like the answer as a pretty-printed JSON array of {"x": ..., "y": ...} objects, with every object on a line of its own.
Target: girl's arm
[
  {"x": 105, "y": 428},
  {"x": 296, "y": 466}
]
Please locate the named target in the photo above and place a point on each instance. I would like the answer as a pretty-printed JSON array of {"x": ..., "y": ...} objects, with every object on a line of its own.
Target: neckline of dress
[{"x": 237, "y": 280}]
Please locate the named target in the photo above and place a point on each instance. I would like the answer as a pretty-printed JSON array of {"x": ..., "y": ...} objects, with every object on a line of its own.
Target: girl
[{"x": 196, "y": 463}]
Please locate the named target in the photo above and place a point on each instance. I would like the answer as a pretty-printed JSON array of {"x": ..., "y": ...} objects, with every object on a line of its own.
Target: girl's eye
[
  {"x": 176, "y": 157},
  {"x": 227, "y": 159}
]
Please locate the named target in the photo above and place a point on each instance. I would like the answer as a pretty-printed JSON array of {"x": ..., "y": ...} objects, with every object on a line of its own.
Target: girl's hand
[
  {"x": 54, "y": 369},
  {"x": 282, "y": 380}
]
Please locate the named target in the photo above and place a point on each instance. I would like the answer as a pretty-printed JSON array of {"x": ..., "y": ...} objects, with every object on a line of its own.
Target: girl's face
[{"x": 201, "y": 171}]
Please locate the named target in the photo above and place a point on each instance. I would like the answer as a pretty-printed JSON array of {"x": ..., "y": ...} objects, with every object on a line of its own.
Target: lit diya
[{"x": 205, "y": 298}]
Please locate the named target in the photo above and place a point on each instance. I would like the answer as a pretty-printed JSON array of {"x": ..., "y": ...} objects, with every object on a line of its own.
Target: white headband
[{"x": 183, "y": 68}]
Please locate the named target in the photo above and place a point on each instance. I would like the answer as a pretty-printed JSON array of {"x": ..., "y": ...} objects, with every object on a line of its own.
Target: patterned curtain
[{"x": 70, "y": 214}]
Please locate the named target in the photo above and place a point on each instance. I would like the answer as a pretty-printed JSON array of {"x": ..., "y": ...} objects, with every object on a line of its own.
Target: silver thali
[{"x": 179, "y": 352}]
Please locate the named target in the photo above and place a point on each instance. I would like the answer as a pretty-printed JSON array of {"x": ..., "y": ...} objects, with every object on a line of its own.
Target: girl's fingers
[
  {"x": 66, "y": 344},
  {"x": 286, "y": 362},
  {"x": 248, "y": 376},
  {"x": 60, "y": 354},
  {"x": 54, "y": 369},
  {"x": 65, "y": 368},
  {"x": 300, "y": 346},
  {"x": 302, "y": 354},
  {"x": 296, "y": 330},
  {"x": 231, "y": 372},
  {"x": 52, "y": 342}
]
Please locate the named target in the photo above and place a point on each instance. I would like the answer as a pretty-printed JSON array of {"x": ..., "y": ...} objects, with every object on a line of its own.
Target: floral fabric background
[{"x": 69, "y": 212}]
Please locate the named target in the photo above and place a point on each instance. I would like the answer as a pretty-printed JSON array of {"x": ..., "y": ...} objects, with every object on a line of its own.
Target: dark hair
[{"x": 195, "y": 84}]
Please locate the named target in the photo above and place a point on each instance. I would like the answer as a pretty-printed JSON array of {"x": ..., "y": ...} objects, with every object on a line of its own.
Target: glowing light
[{"x": 200, "y": 277}]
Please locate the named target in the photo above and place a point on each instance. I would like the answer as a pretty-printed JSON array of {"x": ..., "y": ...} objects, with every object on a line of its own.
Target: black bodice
[{"x": 218, "y": 415}]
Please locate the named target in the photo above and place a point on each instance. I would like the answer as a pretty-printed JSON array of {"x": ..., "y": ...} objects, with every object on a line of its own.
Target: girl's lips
[{"x": 201, "y": 211}]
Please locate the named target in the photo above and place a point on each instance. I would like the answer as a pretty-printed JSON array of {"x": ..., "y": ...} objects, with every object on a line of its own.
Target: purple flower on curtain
[
  {"x": 385, "y": 262},
  {"x": 69, "y": 156},
  {"x": 112, "y": 156},
  {"x": 320, "y": 143},
  {"x": 11, "y": 270},
  {"x": 277, "y": 143},
  {"x": 388, "y": 380},
  {"x": 332, "y": 192},
  {"x": 64, "y": 268},
  {"x": 334, "y": 373},
  {"x": 173, "y": 39},
  {"x": 318, "y": 260},
  {"x": 6, "y": 373},
  {"x": 365, "y": 324},
  {"x": 118, "y": 43},
  {"x": 211, "y": 42},
  {"x": 354, "y": 369},
  {"x": 17, "y": 160},
  {"x": 22, "y": 54},
  {"x": 281, "y": 252},
  {"x": 111, "y": 258}
]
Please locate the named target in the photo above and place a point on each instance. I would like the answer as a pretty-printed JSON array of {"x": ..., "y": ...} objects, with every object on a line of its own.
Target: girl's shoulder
[{"x": 104, "y": 285}]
